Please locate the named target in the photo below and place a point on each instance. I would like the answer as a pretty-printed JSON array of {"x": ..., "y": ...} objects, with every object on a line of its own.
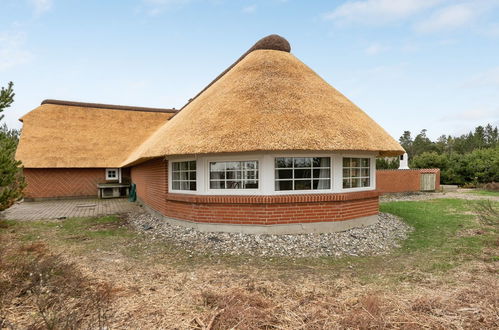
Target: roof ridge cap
[{"x": 107, "y": 106}]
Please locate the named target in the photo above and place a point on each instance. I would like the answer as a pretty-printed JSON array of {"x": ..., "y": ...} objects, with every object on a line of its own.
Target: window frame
[
  {"x": 208, "y": 175},
  {"x": 170, "y": 176},
  {"x": 275, "y": 169},
  {"x": 372, "y": 172},
  {"x": 116, "y": 178}
]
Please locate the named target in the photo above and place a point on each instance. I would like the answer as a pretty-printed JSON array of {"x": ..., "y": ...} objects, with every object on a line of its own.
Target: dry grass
[
  {"x": 42, "y": 290},
  {"x": 156, "y": 286}
]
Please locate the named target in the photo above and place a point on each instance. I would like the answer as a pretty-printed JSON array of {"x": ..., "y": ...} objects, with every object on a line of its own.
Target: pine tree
[{"x": 11, "y": 179}]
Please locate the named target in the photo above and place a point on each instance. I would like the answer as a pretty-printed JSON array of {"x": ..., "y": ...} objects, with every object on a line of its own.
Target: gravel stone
[{"x": 387, "y": 233}]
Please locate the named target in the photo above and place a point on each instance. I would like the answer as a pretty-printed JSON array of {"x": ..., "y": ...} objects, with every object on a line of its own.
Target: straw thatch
[
  {"x": 268, "y": 101},
  {"x": 70, "y": 134}
]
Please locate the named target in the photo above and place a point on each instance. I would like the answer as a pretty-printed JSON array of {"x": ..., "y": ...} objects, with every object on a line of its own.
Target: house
[{"x": 266, "y": 147}]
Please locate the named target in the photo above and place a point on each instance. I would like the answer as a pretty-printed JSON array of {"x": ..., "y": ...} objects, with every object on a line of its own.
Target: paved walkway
[{"x": 69, "y": 208}]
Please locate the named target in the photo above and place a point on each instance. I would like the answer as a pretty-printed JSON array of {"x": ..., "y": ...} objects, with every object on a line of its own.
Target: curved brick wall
[{"x": 151, "y": 178}]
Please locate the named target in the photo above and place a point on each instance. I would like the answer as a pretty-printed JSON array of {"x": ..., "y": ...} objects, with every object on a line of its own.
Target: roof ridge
[
  {"x": 107, "y": 106},
  {"x": 270, "y": 42}
]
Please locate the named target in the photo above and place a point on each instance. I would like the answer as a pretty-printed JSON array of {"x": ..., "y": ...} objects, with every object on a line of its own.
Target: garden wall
[{"x": 396, "y": 181}]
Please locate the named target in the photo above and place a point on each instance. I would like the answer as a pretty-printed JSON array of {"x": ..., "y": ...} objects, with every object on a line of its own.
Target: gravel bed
[{"x": 379, "y": 238}]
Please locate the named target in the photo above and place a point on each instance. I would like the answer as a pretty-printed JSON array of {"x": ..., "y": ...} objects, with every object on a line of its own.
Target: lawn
[
  {"x": 483, "y": 192},
  {"x": 444, "y": 276}
]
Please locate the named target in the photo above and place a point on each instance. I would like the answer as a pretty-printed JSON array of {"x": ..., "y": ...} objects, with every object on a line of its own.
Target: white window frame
[
  {"x": 257, "y": 170},
  {"x": 311, "y": 174},
  {"x": 235, "y": 158},
  {"x": 170, "y": 175},
  {"x": 170, "y": 170},
  {"x": 116, "y": 178},
  {"x": 372, "y": 172}
]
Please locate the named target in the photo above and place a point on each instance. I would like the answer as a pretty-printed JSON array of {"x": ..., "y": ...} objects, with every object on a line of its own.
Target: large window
[
  {"x": 234, "y": 175},
  {"x": 302, "y": 173},
  {"x": 356, "y": 172},
  {"x": 184, "y": 175}
]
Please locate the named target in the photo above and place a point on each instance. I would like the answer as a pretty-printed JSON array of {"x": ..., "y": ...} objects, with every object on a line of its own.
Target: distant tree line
[{"x": 471, "y": 158}]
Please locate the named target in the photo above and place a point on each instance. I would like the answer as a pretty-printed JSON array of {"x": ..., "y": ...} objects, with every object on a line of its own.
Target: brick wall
[
  {"x": 270, "y": 210},
  {"x": 62, "y": 182},
  {"x": 395, "y": 181},
  {"x": 151, "y": 179}
]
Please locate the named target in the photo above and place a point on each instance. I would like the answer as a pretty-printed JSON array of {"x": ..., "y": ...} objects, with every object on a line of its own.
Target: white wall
[{"x": 267, "y": 172}]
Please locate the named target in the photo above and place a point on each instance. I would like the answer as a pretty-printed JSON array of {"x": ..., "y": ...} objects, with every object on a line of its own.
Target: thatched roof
[
  {"x": 268, "y": 100},
  {"x": 75, "y": 134}
]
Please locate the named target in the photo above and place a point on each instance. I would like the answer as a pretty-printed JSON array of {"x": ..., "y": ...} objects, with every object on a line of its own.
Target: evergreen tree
[{"x": 11, "y": 179}]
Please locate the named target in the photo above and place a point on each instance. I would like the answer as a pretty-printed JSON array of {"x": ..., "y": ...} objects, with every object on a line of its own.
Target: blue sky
[{"x": 410, "y": 64}]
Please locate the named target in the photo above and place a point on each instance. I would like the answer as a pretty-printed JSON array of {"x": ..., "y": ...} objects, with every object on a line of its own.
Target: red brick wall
[
  {"x": 62, "y": 182},
  {"x": 151, "y": 179},
  {"x": 269, "y": 210},
  {"x": 394, "y": 181}
]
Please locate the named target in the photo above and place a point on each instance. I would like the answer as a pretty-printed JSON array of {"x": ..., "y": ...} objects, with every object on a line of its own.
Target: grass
[
  {"x": 448, "y": 263},
  {"x": 483, "y": 192}
]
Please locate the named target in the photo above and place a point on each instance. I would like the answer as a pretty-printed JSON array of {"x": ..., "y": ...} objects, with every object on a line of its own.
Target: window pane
[
  {"x": 234, "y": 185},
  {"x": 346, "y": 172},
  {"x": 365, "y": 172},
  {"x": 192, "y": 185},
  {"x": 347, "y": 183},
  {"x": 284, "y": 174},
  {"x": 284, "y": 185},
  {"x": 176, "y": 176},
  {"x": 233, "y": 165},
  {"x": 346, "y": 162},
  {"x": 217, "y": 184},
  {"x": 217, "y": 175},
  {"x": 365, "y": 162},
  {"x": 183, "y": 166},
  {"x": 355, "y": 183},
  {"x": 321, "y": 184},
  {"x": 302, "y": 174},
  {"x": 286, "y": 162},
  {"x": 192, "y": 175},
  {"x": 192, "y": 165},
  {"x": 251, "y": 184},
  {"x": 176, "y": 185},
  {"x": 322, "y": 173},
  {"x": 355, "y": 162},
  {"x": 303, "y": 162},
  {"x": 365, "y": 182},
  {"x": 175, "y": 166},
  {"x": 321, "y": 162},
  {"x": 217, "y": 166},
  {"x": 303, "y": 185},
  {"x": 355, "y": 172},
  {"x": 233, "y": 175}
]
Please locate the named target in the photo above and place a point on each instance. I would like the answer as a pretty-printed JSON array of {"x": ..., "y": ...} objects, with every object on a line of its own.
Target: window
[
  {"x": 356, "y": 172},
  {"x": 234, "y": 175},
  {"x": 184, "y": 175},
  {"x": 111, "y": 174},
  {"x": 302, "y": 173}
]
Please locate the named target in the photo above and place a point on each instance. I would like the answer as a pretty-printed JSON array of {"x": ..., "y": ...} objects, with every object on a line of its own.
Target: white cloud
[
  {"x": 449, "y": 18},
  {"x": 249, "y": 9},
  {"x": 379, "y": 11},
  {"x": 375, "y": 49},
  {"x": 12, "y": 52},
  {"x": 41, "y": 6}
]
